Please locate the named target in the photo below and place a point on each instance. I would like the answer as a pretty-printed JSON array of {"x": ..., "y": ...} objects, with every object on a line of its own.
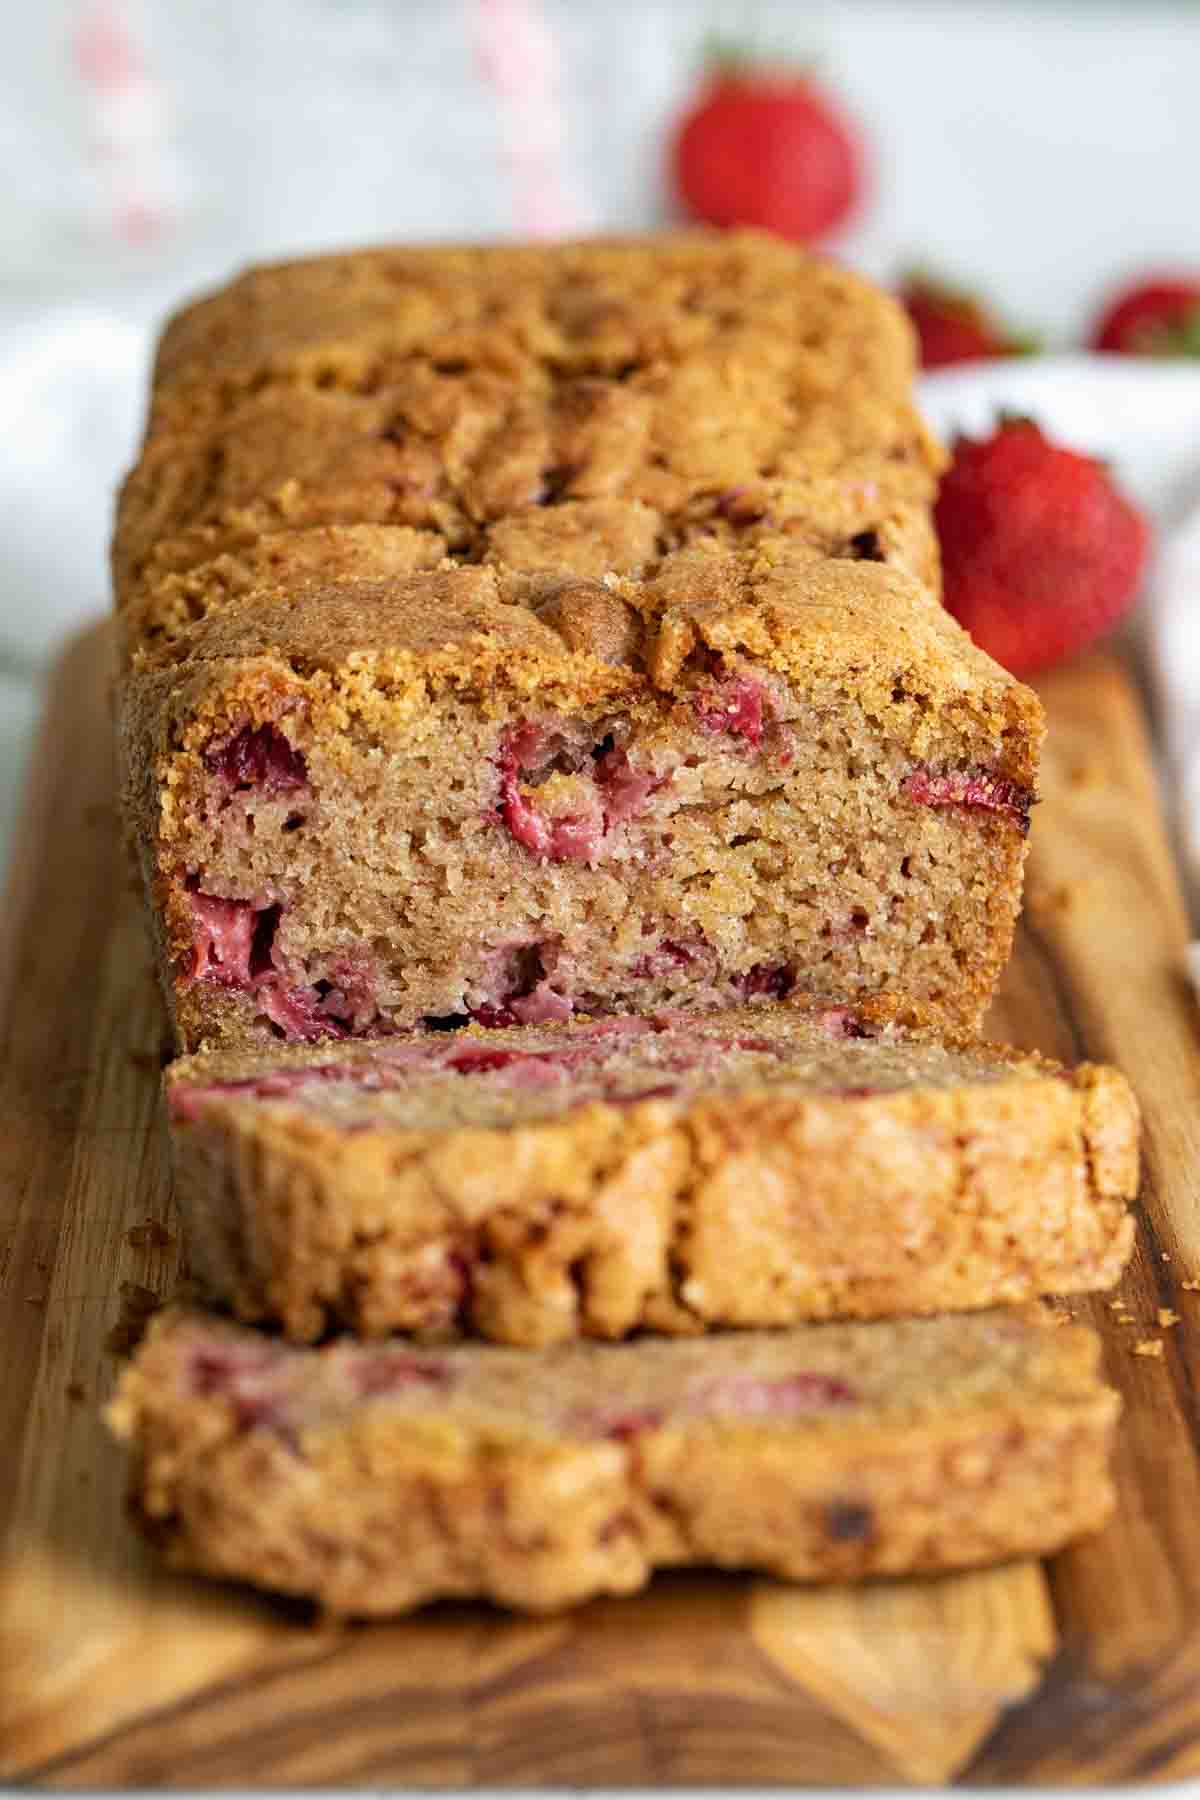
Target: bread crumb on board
[
  {"x": 138, "y": 1303},
  {"x": 1148, "y": 1347},
  {"x": 149, "y": 1235},
  {"x": 1166, "y": 1317}
]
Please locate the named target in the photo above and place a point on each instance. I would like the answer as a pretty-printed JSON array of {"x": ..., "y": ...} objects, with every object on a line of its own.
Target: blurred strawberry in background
[
  {"x": 1041, "y": 552},
  {"x": 763, "y": 144},
  {"x": 955, "y": 326},
  {"x": 1155, "y": 317}
]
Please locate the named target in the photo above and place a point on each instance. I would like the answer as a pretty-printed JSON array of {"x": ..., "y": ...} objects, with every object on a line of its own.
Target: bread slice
[
  {"x": 373, "y": 1478},
  {"x": 749, "y": 1166}
]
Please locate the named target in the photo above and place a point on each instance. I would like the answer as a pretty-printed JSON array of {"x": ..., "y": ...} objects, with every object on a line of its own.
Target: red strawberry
[
  {"x": 1160, "y": 317},
  {"x": 1041, "y": 552},
  {"x": 763, "y": 145},
  {"x": 953, "y": 326}
]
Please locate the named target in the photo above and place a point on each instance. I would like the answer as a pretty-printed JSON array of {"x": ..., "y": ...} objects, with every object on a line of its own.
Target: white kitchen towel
[{"x": 73, "y": 380}]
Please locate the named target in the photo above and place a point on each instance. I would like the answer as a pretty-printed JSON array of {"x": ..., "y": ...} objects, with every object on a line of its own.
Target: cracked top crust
[
  {"x": 369, "y": 652},
  {"x": 584, "y": 409},
  {"x": 604, "y": 308}
]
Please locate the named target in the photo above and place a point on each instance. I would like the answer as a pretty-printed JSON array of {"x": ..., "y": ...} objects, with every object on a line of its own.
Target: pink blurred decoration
[
  {"x": 133, "y": 183},
  {"x": 104, "y": 51},
  {"x": 518, "y": 56}
]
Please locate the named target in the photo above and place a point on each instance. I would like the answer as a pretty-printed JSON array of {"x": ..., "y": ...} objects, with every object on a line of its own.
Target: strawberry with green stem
[
  {"x": 762, "y": 143},
  {"x": 1155, "y": 317},
  {"x": 954, "y": 326}
]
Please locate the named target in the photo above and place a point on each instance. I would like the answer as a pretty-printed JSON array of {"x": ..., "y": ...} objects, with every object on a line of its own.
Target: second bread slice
[{"x": 677, "y": 1171}]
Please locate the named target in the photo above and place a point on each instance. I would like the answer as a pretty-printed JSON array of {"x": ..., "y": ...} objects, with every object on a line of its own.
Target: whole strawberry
[
  {"x": 953, "y": 326},
  {"x": 1160, "y": 317},
  {"x": 1041, "y": 552},
  {"x": 764, "y": 145}
]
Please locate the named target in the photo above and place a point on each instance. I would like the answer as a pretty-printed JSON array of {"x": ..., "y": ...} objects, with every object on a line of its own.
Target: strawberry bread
[
  {"x": 375, "y": 1477},
  {"x": 516, "y": 633},
  {"x": 535, "y": 700},
  {"x": 463, "y": 794},
  {"x": 751, "y": 1166}
]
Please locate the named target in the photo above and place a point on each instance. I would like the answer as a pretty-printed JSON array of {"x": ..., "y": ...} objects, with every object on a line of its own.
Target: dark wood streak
[
  {"x": 1065, "y": 1732},
  {"x": 1066, "y": 1702}
]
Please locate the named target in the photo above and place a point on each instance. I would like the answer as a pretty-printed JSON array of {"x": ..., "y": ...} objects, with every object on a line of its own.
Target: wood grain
[{"x": 113, "y": 1673}]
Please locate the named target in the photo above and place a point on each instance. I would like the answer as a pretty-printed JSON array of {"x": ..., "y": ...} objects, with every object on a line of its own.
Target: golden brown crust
[
  {"x": 203, "y": 570},
  {"x": 822, "y": 1190},
  {"x": 584, "y": 409},
  {"x": 830, "y": 628},
  {"x": 596, "y": 309},
  {"x": 940, "y": 1443}
]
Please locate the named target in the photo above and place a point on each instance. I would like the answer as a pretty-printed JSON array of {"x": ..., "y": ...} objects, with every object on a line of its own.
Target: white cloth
[{"x": 73, "y": 381}]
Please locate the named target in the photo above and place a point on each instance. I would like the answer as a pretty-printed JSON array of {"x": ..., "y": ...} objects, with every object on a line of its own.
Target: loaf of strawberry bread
[
  {"x": 583, "y": 408},
  {"x": 375, "y": 1477},
  {"x": 518, "y": 633},
  {"x": 756, "y": 1165}
]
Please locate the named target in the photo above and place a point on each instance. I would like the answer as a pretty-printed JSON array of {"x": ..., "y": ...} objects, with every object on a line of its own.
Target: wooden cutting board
[{"x": 113, "y": 1673}]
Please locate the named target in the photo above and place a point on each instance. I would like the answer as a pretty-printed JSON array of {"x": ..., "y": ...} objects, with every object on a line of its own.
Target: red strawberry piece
[
  {"x": 953, "y": 326},
  {"x": 1041, "y": 552},
  {"x": 483, "y": 1062},
  {"x": 261, "y": 758},
  {"x": 231, "y": 938},
  {"x": 762, "y": 144},
  {"x": 570, "y": 837},
  {"x": 391, "y": 1371},
  {"x": 618, "y": 794},
  {"x": 1158, "y": 317},
  {"x": 842, "y": 1022},
  {"x": 297, "y": 1011},
  {"x": 775, "y": 979},
  {"x": 246, "y": 1377},
  {"x": 979, "y": 790},
  {"x": 620, "y": 1423},
  {"x": 756, "y": 1397},
  {"x": 522, "y": 1069},
  {"x": 735, "y": 706},
  {"x": 624, "y": 789},
  {"x": 493, "y": 1018}
]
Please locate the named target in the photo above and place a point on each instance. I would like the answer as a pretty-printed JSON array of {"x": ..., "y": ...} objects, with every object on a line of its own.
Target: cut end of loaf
[{"x": 747, "y": 832}]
